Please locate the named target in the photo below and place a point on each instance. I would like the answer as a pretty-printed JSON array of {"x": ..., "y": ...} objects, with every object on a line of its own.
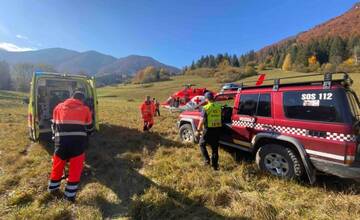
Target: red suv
[{"x": 294, "y": 129}]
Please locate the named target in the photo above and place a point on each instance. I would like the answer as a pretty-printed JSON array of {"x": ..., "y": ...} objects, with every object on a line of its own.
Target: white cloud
[
  {"x": 14, "y": 48},
  {"x": 19, "y": 36}
]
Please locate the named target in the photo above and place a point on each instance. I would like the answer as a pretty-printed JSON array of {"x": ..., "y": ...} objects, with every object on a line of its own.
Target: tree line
[
  {"x": 18, "y": 77},
  {"x": 328, "y": 54},
  {"x": 151, "y": 74}
]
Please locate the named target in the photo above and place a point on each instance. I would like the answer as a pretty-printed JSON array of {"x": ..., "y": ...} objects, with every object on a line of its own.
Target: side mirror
[{"x": 26, "y": 100}]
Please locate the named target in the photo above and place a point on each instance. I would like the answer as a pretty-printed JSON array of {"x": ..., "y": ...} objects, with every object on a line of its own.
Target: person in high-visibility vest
[
  {"x": 147, "y": 109},
  {"x": 210, "y": 125},
  {"x": 72, "y": 123}
]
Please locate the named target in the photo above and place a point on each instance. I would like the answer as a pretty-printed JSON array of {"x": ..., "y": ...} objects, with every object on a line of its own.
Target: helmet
[{"x": 209, "y": 95}]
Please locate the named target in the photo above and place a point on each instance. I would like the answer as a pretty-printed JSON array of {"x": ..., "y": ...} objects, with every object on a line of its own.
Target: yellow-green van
[{"x": 49, "y": 89}]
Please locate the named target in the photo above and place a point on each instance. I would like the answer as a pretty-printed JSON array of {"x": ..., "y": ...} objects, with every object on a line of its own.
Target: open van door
[
  {"x": 92, "y": 83},
  {"x": 32, "y": 116}
]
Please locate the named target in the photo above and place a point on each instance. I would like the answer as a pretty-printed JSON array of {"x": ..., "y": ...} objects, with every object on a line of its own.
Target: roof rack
[
  {"x": 327, "y": 81},
  {"x": 61, "y": 74}
]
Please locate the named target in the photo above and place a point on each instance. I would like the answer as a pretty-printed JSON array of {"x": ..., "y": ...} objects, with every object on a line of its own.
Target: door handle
[{"x": 267, "y": 127}]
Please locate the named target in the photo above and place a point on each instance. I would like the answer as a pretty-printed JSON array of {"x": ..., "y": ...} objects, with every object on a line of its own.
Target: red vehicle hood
[{"x": 190, "y": 114}]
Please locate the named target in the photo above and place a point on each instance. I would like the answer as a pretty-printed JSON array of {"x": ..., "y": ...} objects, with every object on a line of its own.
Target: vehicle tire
[
  {"x": 279, "y": 161},
  {"x": 186, "y": 134}
]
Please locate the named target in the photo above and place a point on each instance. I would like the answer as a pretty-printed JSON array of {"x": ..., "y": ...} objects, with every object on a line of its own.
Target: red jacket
[
  {"x": 72, "y": 121},
  {"x": 147, "y": 110}
]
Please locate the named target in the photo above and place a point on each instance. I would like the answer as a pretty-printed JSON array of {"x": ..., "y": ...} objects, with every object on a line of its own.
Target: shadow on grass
[
  {"x": 329, "y": 182},
  {"x": 113, "y": 159},
  {"x": 337, "y": 184}
]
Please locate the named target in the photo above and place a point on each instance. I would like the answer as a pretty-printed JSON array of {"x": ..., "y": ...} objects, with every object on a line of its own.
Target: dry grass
[{"x": 130, "y": 174}]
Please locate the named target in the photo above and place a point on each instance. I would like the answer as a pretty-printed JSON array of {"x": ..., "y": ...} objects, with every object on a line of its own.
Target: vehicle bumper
[
  {"x": 178, "y": 124},
  {"x": 341, "y": 170}
]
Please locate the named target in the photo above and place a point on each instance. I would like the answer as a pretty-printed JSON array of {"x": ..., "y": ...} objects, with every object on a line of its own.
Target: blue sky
[{"x": 174, "y": 32}]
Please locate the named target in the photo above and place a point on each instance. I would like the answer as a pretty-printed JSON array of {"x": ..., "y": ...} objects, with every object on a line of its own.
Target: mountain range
[{"x": 90, "y": 62}]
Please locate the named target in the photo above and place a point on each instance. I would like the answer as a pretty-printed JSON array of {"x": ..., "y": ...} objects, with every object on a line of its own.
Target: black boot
[
  {"x": 206, "y": 163},
  {"x": 214, "y": 162}
]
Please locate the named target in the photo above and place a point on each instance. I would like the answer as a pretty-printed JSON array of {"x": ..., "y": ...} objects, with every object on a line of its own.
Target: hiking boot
[
  {"x": 70, "y": 199},
  {"x": 215, "y": 167},
  {"x": 206, "y": 163}
]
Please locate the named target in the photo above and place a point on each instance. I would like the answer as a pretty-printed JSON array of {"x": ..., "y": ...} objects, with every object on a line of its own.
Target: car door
[
  {"x": 253, "y": 115},
  {"x": 32, "y": 111},
  {"x": 244, "y": 118},
  {"x": 264, "y": 120},
  {"x": 92, "y": 84}
]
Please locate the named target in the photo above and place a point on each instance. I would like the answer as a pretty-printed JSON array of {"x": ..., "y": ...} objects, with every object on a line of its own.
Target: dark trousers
[
  {"x": 157, "y": 112},
  {"x": 210, "y": 136}
]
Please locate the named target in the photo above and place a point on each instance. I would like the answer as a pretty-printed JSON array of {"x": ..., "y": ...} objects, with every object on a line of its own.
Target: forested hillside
[{"x": 331, "y": 46}]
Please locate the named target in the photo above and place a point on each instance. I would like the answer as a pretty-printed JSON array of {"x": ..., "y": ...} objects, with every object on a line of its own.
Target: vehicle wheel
[
  {"x": 279, "y": 161},
  {"x": 187, "y": 134}
]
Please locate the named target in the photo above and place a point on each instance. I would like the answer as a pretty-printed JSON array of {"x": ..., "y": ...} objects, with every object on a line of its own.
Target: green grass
[{"x": 129, "y": 174}]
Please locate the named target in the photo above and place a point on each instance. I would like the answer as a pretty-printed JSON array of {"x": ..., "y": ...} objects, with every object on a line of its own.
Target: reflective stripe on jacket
[
  {"x": 71, "y": 122},
  {"x": 213, "y": 115}
]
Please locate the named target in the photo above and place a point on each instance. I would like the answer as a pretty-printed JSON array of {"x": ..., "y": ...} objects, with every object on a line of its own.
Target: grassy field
[{"x": 135, "y": 175}]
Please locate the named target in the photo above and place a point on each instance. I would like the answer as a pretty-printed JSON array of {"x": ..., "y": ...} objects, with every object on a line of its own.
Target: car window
[
  {"x": 248, "y": 104},
  {"x": 264, "y": 106},
  {"x": 354, "y": 106},
  {"x": 315, "y": 105},
  {"x": 225, "y": 99}
]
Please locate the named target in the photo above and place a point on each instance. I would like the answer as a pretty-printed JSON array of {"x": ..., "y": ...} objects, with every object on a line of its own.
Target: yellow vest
[{"x": 213, "y": 113}]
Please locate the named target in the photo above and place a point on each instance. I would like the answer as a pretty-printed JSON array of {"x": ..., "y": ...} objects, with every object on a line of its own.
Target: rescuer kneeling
[
  {"x": 72, "y": 123},
  {"x": 210, "y": 125}
]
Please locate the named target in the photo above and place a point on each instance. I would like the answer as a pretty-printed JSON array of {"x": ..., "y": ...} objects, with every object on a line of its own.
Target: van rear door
[
  {"x": 92, "y": 84},
  {"x": 32, "y": 116}
]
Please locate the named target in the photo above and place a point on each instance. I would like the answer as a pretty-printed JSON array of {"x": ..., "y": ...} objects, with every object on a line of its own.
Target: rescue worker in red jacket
[
  {"x": 72, "y": 122},
  {"x": 147, "y": 109}
]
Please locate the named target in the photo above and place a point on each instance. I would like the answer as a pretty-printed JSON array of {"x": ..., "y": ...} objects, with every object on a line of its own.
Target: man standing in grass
[
  {"x": 72, "y": 122},
  {"x": 210, "y": 125},
  {"x": 147, "y": 109},
  {"x": 157, "y": 107}
]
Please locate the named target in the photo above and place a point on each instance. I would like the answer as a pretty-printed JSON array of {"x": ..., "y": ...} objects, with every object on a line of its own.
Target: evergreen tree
[
  {"x": 251, "y": 56},
  {"x": 212, "y": 62},
  {"x": 293, "y": 52},
  {"x": 275, "y": 60},
  {"x": 337, "y": 51},
  {"x": 357, "y": 54},
  {"x": 219, "y": 59},
  {"x": 242, "y": 60},
  {"x": 235, "y": 61},
  {"x": 192, "y": 67},
  {"x": 302, "y": 56}
]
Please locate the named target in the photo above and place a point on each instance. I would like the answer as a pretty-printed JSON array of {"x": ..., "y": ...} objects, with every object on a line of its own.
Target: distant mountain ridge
[
  {"x": 89, "y": 62},
  {"x": 133, "y": 63}
]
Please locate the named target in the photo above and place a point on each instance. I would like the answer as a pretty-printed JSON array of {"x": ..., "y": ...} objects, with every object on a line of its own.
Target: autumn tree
[
  {"x": 224, "y": 64},
  {"x": 22, "y": 74},
  {"x": 287, "y": 63},
  {"x": 151, "y": 74}
]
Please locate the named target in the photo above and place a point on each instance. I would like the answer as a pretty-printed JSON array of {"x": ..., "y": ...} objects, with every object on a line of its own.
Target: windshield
[
  {"x": 225, "y": 99},
  {"x": 354, "y": 105}
]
